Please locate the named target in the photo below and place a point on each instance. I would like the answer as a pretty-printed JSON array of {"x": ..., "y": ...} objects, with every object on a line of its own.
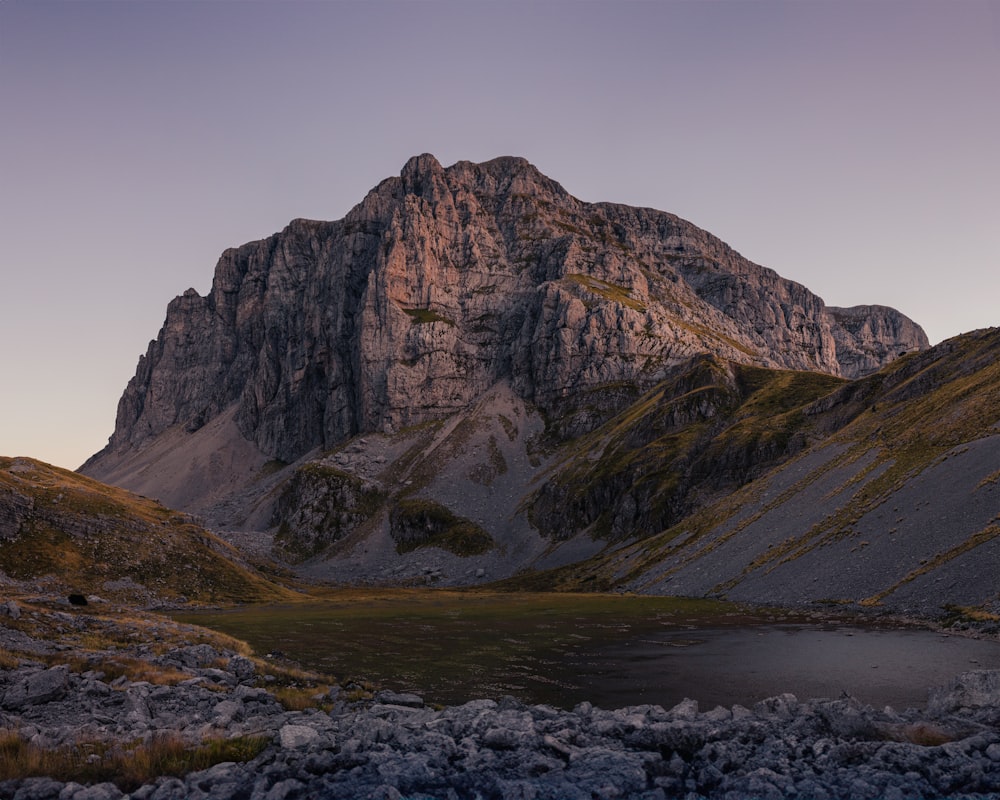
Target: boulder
[
  {"x": 406, "y": 699},
  {"x": 226, "y": 712},
  {"x": 242, "y": 668},
  {"x": 292, "y": 737},
  {"x": 36, "y": 688},
  {"x": 193, "y": 656},
  {"x": 970, "y": 690}
]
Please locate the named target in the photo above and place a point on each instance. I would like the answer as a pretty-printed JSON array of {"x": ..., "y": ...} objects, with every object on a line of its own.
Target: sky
[{"x": 850, "y": 146}]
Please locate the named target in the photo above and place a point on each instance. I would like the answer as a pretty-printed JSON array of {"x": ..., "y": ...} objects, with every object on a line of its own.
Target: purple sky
[{"x": 851, "y": 146}]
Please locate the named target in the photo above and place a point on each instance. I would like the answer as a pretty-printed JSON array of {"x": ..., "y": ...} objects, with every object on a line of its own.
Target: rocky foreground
[{"x": 355, "y": 745}]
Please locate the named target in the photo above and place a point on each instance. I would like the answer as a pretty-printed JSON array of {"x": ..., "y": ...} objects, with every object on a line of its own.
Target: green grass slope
[
  {"x": 895, "y": 502},
  {"x": 708, "y": 429},
  {"x": 67, "y": 533}
]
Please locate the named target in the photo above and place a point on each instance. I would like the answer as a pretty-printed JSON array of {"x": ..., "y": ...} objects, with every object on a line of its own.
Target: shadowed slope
[
  {"x": 74, "y": 534},
  {"x": 897, "y": 503}
]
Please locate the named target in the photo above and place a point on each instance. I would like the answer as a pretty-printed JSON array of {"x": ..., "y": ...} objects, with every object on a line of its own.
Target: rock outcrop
[{"x": 441, "y": 283}]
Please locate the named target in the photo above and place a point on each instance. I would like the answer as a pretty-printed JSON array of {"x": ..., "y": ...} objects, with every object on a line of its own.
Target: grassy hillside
[
  {"x": 711, "y": 427},
  {"x": 73, "y": 534},
  {"x": 894, "y": 502}
]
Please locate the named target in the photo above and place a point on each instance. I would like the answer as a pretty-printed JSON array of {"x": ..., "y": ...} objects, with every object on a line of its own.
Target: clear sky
[{"x": 851, "y": 146}]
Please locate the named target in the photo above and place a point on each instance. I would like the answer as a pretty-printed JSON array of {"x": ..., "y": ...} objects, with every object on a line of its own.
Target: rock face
[
  {"x": 865, "y": 336},
  {"x": 443, "y": 282},
  {"x": 325, "y": 501}
]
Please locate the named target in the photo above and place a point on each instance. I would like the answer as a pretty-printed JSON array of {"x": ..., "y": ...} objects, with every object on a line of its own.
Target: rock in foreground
[{"x": 394, "y": 746}]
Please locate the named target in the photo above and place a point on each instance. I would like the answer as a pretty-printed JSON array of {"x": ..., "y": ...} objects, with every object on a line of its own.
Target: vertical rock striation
[{"x": 441, "y": 283}]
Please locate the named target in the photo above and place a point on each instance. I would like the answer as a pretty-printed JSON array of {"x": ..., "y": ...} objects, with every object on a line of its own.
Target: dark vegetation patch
[
  {"x": 487, "y": 472},
  {"x": 416, "y": 522},
  {"x": 272, "y": 466},
  {"x": 425, "y": 316},
  {"x": 710, "y": 427}
]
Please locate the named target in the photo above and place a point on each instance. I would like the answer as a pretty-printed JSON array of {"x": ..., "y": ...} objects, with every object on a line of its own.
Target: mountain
[
  {"x": 724, "y": 480},
  {"x": 441, "y": 285},
  {"x": 72, "y": 535},
  {"x": 475, "y": 376},
  {"x": 892, "y": 500}
]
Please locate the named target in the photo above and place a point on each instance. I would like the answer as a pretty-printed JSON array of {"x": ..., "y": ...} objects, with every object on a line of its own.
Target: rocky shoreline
[{"x": 356, "y": 744}]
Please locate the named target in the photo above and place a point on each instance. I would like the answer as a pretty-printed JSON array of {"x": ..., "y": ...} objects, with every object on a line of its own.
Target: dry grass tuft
[
  {"x": 9, "y": 659},
  {"x": 117, "y": 666},
  {"x": 926, "y": 735},
  {"x": 128, "y": 766},
  {"x": 289, "y": 674},
  {"x": 301, "y": 698},
  {"x": 295, "y": 688}
]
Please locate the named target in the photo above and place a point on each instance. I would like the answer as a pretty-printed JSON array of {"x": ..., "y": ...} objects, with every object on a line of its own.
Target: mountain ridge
[
  {"x": 442, "y": 282},
  {"x": 723, "y": 480},
  {"x": 892, "y": 504}
]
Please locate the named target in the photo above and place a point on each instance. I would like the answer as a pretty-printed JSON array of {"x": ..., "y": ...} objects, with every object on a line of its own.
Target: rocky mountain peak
[
  {"x": 423, "y": 164},
  {"x": 421, "y": 175},
  {"x": 443, "y": 282}
]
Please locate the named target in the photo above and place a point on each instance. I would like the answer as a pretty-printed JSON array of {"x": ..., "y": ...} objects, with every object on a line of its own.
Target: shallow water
[
  {"x": 611, "y": 651},
  {"x": 727, "y": 666}
]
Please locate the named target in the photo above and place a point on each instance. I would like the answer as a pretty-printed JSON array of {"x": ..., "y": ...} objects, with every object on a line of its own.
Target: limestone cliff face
[
  {"x": 866, "y": 335},
  {"x": 441, "y": 283}
]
